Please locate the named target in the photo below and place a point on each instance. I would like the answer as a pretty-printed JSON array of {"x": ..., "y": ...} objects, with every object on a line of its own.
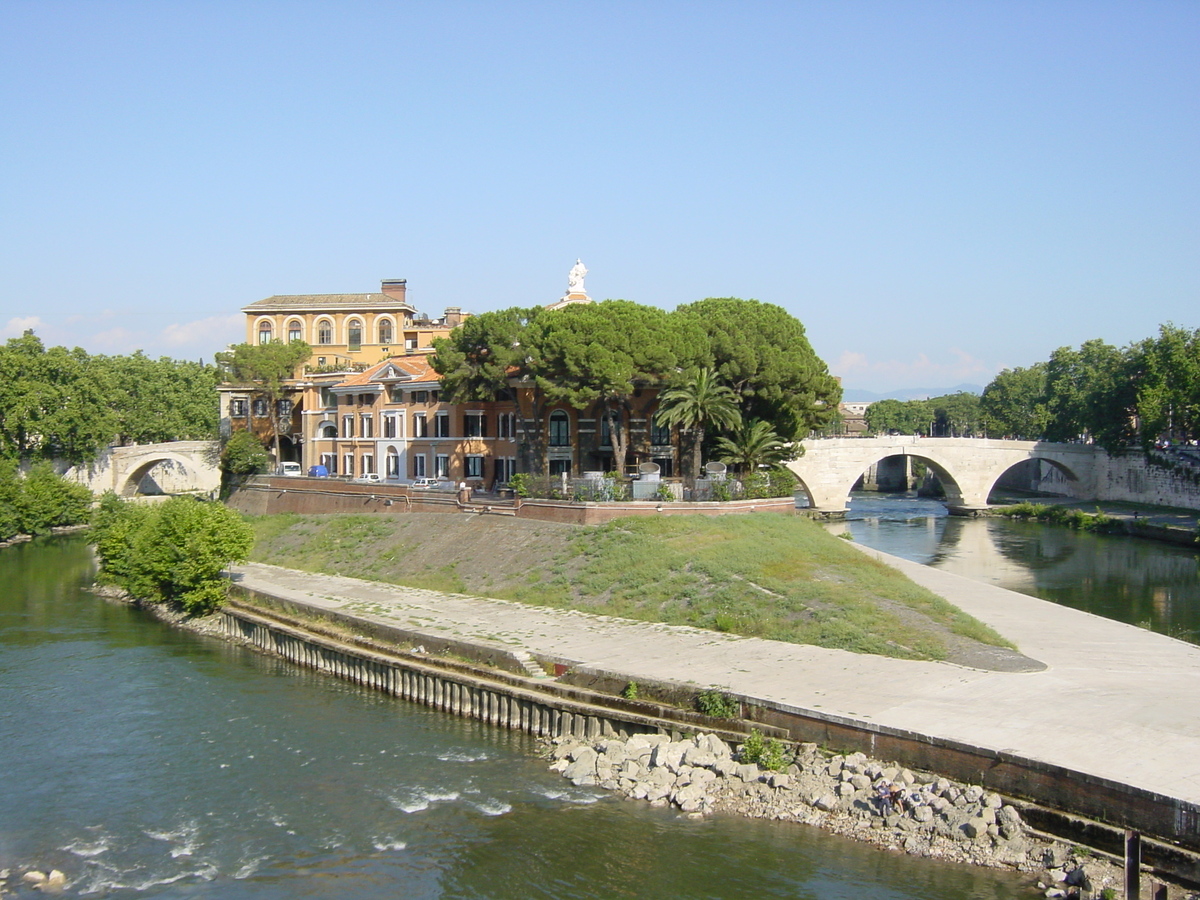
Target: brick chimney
[{"x": 394, "y": 288}]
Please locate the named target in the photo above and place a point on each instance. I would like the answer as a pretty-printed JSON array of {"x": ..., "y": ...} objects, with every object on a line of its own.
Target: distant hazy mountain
[{"x": 855, "y": 395}]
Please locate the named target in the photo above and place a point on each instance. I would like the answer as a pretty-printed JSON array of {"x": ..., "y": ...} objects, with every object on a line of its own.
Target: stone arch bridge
[
  {"x": 968, "y": 467},
  {"x": 176, "y": 467}
]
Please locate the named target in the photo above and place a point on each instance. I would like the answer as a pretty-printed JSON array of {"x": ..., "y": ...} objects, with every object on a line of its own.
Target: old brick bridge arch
[{"x": 968, "y": 467}]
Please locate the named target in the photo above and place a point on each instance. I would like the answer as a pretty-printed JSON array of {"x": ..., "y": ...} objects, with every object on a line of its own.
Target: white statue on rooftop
[{"x": 575, "y": 278}]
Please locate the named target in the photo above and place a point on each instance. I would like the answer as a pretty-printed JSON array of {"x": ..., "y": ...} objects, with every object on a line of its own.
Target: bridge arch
[
  {"x": 967, "y": 467},
  {"x": 132, "y": 482}
]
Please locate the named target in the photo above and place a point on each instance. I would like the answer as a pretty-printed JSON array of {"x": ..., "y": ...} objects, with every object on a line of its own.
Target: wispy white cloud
[
  {"x": 215, "y": 330},
  {"x": 17, "y": 326},
  {"x": 954, "y": 366}
]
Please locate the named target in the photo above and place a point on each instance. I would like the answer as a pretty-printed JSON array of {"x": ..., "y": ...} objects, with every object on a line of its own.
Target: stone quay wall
[
  {"x": 496, "y": 686},
  {"x": 268, "y": 495}
]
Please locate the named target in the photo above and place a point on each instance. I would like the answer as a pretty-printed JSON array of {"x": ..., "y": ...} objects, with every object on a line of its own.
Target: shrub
[
  {"x": 768, "y": 754},
  {"x": 718, "y": 704},
  {"x": 243, "y": 454},
  {"x": 174, "y": 552},
  {"x": 39, "y": 500},
  {"x": 631, "y": 691}
]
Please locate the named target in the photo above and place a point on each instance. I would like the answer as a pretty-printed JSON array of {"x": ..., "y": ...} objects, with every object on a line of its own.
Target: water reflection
[{"x": 1136, "y": 581}]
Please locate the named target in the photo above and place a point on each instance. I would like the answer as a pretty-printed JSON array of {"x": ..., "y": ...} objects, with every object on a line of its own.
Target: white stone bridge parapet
[
  {"x": 172, "y": 468},
  {"x": 968, "y": 467}
]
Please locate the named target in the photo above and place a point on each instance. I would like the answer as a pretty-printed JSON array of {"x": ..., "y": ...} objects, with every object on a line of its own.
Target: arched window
[
  {"x": 328, "y": 430},
  {"x": 560, "y": 429},
  {"x": 385, "y": 332},
  {"x": 354, "y": 334},
  {"x": 264, "y": 332},
  {"x": 295, "y": 331},
  {"x": 324, "y": 332}
]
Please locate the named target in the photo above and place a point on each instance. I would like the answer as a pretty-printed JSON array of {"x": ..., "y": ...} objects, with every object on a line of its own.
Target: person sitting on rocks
[
  {"x": 896, "y": 796},
  {"x": 884, "y": 791}
]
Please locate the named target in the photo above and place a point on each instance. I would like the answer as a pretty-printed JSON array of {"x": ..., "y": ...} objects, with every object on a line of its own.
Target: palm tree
[
  {"x": 695, "y": 404},
  {"x": 755, "y": 443}
]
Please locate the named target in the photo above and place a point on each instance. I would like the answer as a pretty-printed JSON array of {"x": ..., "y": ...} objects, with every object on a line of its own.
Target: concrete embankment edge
[{"x": 491, "y": 684}]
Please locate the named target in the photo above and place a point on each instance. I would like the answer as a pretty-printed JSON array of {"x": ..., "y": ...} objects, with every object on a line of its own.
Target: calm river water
[
  {"x": 147, "y": 762},
  {"x": 1140, "y": 582}
]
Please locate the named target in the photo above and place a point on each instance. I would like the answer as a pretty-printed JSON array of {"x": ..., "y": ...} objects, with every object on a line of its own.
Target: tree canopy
[
  {"x": 266, "y": 369},
  {"x": 64, "y": 404},
  {"x": 762, "y": 352}
]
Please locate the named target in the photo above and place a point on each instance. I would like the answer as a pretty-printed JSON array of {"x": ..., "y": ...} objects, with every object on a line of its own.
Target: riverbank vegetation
[
  {"x": 175, "y": 552},
  {"x": 1066, "y": 516},
  {"x": 766, "y": 575},
  {"x": 39, "y": 500}
]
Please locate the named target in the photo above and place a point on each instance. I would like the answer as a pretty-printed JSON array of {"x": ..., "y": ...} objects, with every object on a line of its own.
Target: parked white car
[
  {"x": 290, "y": 469},
  {"x": 369, "y": 478},
  {"x": 429, "y": 484}
]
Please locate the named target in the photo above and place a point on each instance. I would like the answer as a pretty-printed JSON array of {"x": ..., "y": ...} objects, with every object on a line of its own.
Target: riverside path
[{"x": 1113, "y": 701}]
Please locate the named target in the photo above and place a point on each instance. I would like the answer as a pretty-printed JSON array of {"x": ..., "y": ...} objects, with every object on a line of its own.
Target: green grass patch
[{"x": 762, "y": 575}]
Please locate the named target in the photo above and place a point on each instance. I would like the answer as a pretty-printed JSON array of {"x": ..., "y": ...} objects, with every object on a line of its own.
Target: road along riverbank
[{"x": 1107, "y": 730}]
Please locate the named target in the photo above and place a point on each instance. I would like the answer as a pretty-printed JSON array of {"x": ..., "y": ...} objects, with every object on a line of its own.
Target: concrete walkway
[{"x": 1115, "y": 701}]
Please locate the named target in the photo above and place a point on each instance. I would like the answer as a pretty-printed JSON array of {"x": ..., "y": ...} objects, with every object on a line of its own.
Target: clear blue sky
[{"x": 937, "y": 190}]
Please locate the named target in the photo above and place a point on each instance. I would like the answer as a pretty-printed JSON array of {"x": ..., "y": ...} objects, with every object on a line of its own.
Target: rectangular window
[
  {"x": 260, "y": 408},
  {"x": 420, "y": 397},
  {"x": 393, "y": 464},
  {"x": 441, "y": 466},
  {"x": 348, "y": 464},
  {"x": 347, "y": 426},
  {"x": 329, "y": 461},
  {"x": 506, "y": 467},
  {"x": 420, "y": 425},
  {"x": 559, "y": 466},
  {"x": 660, "y": 435},
  {"x": 389, "y": 426},
  {"x": 237, "y": 409},
  {"x": 368, "y": 463},
  {"x": 397, "y": 394},
  {"x": 441, "y": 423},
  {"x": 506, "y": 425},
  {"x": 560, "y": 430},
  {"x": 327, "y": 396},
  {"x": 474, "y": 424},
  {"x": 368, "y": 425},
  {"x": 474, "y": 466},
  {"x": 418, "y": 465},
  {"x": 285, "y": 409}
]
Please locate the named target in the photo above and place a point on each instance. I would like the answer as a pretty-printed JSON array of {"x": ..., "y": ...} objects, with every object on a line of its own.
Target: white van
[{"x": 290, "y": 469}]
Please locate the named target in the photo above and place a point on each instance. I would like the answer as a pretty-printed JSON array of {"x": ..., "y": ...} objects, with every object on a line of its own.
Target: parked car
[
  {"x": 369, "y": 478},
  {"x": 318, "y": 472},
  {"x": 290, "y": 469},
  {"x": 424, "y": 483}
]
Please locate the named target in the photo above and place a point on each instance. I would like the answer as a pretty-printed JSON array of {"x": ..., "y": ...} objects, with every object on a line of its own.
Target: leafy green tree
[
  {"x": 161, "y": 399},
  {"x": 173, "y": 552},
  {"x": 53, "y": 403},
  {"x": 900, "y": 416},
  {"x": 266, "y": 369},
  {"x": 1013, "y": 405},
  {"x": 243, "y": 454},
  {"x": 954, "y": 415},
  {"x": 600, "y": 353},
  {"x": 491, "y": 357},
  {"x": 696, "y": 403},
  {"x": 753, "y": 444},
  {"x": 1091, "y": 393},
  {"x": 1168, "y": 384},
  {"x": 762, "y": 352},
  {"x": 46, "y": 500}
]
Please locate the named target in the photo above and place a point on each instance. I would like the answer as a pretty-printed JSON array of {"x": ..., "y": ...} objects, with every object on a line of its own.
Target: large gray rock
[
  {"x": 749, "y": 772},
  {"x": 696, "y": 756}
]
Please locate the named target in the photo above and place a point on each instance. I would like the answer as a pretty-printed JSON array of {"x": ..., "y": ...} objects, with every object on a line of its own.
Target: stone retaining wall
[{"x": 270, "y": 495}]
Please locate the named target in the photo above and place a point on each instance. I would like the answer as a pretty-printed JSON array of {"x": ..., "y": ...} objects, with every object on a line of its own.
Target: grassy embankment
[{"x": 766, "y": 575}]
